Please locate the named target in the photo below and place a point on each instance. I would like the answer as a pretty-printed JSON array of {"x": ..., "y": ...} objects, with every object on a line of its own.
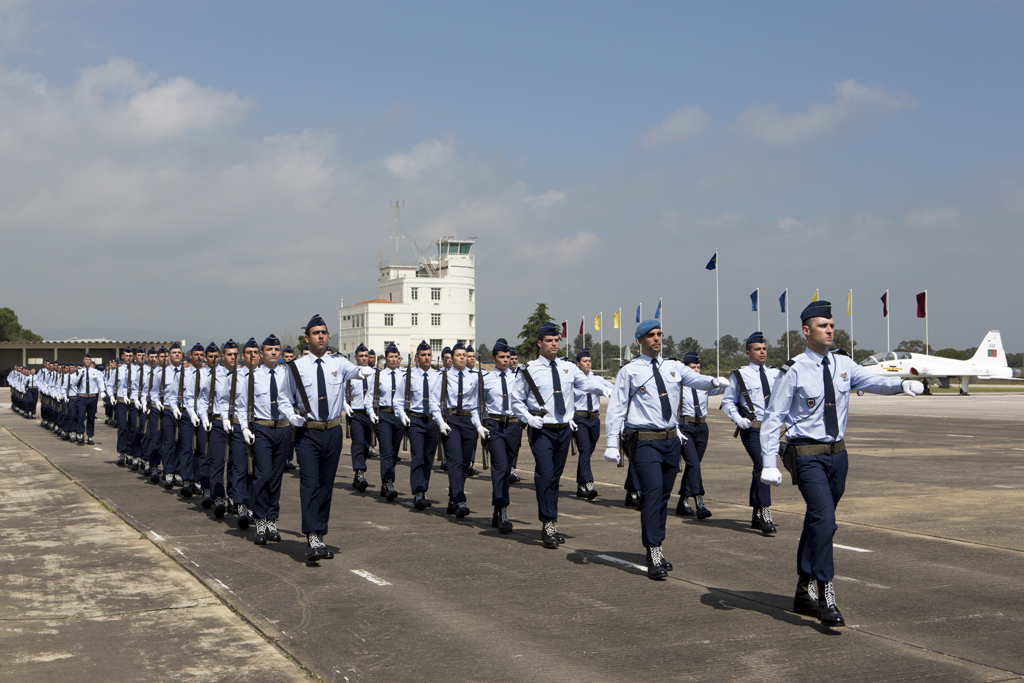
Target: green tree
[
  {"x": 582, "y": 342},
  {"x": 12, "y": 331},
  {"x": 797, "y": 343},
  {"x": 668, "y": 347},
  {"x": 483, "y": 354},
  {"x": 841, "y": 340},
  {"x": 528, "y": 347},
  {"x": 863, "y": 353},
  {"x": 729, "y": 346},
  {"x": 953, "y": 353},
  {"x": 688, "y": 344},
  {"x": 914, "y": 346}
]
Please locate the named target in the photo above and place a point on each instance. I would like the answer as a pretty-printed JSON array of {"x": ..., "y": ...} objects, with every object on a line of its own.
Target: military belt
[
  {"x": 88, "y": 395},
  {"x": 556, "y": 425},
  {"x": 385, "y": 409},
  {"x": 755, "y": 424},
  {"x": 361, "y": 411},
  {"x": 591, "y": 414},
  {"x": 460, "y": 413},
  {"x": 694, "y": 420},
  {"x": 234, "y": 421},
  {"x": 502, "y": 419},
  {"x": 322, "y": 426},
  {"x": 120, "y": 400},
  {"x": 273, "y": 424},
  {"x": 662, "y": 435},
  {"x": 422, "y": 416},
  {"x": 819, "y": 448}
]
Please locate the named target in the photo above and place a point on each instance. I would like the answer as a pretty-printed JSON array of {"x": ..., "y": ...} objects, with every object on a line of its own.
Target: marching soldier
[
  {"x": 419, "y": 420},
  {"x": 118, "y": 389},
  {"x": 191, "y": 432},
  {"x": 811, "y": 400},
  {"x": 643, "y": 412},
  {"x": 90, "y": 388},
  {"x": 240, "y": 475},
  {"x": 387, "y": 413},
  {"x": 588, "y": 430},
  {"x": 358, "y": 396},
  {"x": 744, "y": 403},
  {"x": 694, "y": 416},
  {"x": 545, "y": 401},
  {"x": 502, "y": 429},
  {"x": 515, "y": 437},
  {"x": 455, "y": 410},
  {"x": 168, "y": 401},
  {"x": 213, "y": 403}
]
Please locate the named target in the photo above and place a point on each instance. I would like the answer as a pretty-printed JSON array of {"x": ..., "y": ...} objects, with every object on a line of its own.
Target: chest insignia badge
[
  {"x": 643, "y": 390},
  {"x": 334, "y": 374},
  {"x": 844, "y": 375},
  {"x": 673, "y": 373},
  {"x": 566, "y": 371},
  {"x": 810, "y": 403}
]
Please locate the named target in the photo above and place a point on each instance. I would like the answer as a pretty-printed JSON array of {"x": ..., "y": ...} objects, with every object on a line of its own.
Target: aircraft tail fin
[{"x": 990, "y": 351}]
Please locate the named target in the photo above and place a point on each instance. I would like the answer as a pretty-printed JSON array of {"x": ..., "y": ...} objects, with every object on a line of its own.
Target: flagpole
[
  {"x": 601, "y": 315},
  {"x": 888, "y": 345},
  {"x": 788, "y": 354},
  {"x": 620, "y": 336},
  {"x": 926, "y": 322},
  {"x": 758, "y": 290},
  {"x": 718, "y": 324},
  {"x": 853, "y": 345}
]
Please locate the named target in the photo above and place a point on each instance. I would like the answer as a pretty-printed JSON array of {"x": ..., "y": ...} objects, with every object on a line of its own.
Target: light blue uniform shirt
[
  {"x": 390, "y": 391},
  {"x": 571, "y": 380},
  {"x": 170, "y": 380},
  {"x": 261, "y": 396},
  {"x": 493, "y": 398},
  {"x": 702, "y": 396},
  {"x": 798, "y": 395},
  {"x": 470, "y": 399},
  {"x": 582, "y": 398},
  {"x": 636, "y": 385},
  {"x": 416, "y": 389},
  {"x": 752, "y": 378},
  {"x": 358, "y": 395},
  {"x": 337, "y": 371}
]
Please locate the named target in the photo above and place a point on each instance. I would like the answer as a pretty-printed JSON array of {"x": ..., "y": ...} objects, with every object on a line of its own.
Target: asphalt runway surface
[{"x": 928, "y": 559}]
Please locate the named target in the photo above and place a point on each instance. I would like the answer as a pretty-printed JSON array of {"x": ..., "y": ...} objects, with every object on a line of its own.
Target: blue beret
[
  {"x": 162, "y": 349},
  {"x": 230, "y": 344},
  {"x": 251, "y": 344},
  {"x": 646, "y": 326},
  {"x": 459, "y": 347},
  {"x": 361, "y": 348},
  {"x": 513, "y": 352},
  {"x": 175, "y": 345},
  {"x": 288, "y": 349},
  {"x": 691, "y": 357},
  {"x": 196, "y": 347},
  {"x": 390, "y": 348},
  {"x": 424, "y": 346},
  {"x": 500, "y": 346},
  {"x": 212, "y": 348},
  {"x": 585, "y": 353},
  {"x": 756, "y": 338},
  {"x": 817, "y": 309},
  {"x": 315, "y": 321},
  {"x": 272, "y": 340},
  {"x": 549, "y": 330},
  {"x": 446, "y": 350}
]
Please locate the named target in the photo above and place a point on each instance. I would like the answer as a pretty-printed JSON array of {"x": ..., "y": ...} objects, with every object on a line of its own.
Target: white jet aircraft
[{"x": 989, "y": 362}]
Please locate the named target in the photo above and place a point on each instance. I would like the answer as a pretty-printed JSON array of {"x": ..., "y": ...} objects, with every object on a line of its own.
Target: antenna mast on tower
[{"x": 397, "y": 206}]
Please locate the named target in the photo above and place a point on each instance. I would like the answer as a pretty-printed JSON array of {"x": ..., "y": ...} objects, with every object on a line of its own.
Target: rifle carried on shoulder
[{"x": 485, "y": 459}]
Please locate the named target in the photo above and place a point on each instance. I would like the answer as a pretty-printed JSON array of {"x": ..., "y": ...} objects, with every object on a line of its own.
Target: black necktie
[
  {"x": 392, "y": 402},
  {"x": 556, "y": 387},
  {"x": 86, "y": 380},
  {"x": 366, "y": 387},
  {"x": 459, "y": 407},
  {"x": 696, "y": 404},
  {"x": 426, "y": 395},
  {"x": 590, "y": 403},
  {"x": 765, "y": 389},
  {"x": 321, "y": 390},
  {"x": 831, "y": 417},
  {"x": 504, "y": 393},
  {"x": 666, "y": 408},
  {"x": 274, "y": 414}
]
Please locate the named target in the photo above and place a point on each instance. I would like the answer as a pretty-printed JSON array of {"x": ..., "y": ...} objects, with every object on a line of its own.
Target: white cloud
[
  {"x": 546, "y": 200},
  {"x": 853, "y": 99},
  {"x": 933, "y": 218},
  {"x": 429, "y": 154},
  {"x": 683, "y": 124}
]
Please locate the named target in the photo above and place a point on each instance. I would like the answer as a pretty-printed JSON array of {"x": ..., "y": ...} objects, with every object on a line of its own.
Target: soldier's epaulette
[
  {"x": 787, "y": 365},
  {"x": 842, "y": 352}
]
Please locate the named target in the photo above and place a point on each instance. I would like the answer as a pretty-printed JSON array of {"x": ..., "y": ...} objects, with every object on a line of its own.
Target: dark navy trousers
[
  {"x": 656, "y": 464},
  {"x": 240, "y": 480},
  {"x": 586, "y": 440},
  {"x": 499, "y": 447},
  {"x": 760, "y": 493},
  {"x": 389, "y": 440},
  {"x": 123, "y": 437},
  {"x": 155, "y": 437},
  {"x": 87, "y": 416},
  {"x": 550, "y": 449},
  {"x": 269, "y": 453},
  {"x": 168, "y": 446},
  {"x": 186, "y": 454},
  {"x": 423, "y": 437},
  {"x": 362, "y": 429},
  {"x": 458, "y": 449},
  {"x": 822, "y": 481},
  {"x": 213, "y": 475},
  {"x": 318, "y": 454},
  {"x": 693, "y": 455},
  {"x": 515, "y": 441}
]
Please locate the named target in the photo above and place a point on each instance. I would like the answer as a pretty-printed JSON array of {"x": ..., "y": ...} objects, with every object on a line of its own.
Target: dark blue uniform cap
[
  {"x": 500, "y": 346},
  {"x": 196, "y": 347},
  {"x": 446, "y": 350},
  {"x": 315, "y": 321},
  {"x": 423, "y": 346},
  {"x": 288, "y": 349},
  {"x": 391, "y": 348},
  {"x": 459, "y": 347},
  {"x": 162, "y": 349},
  {"x": 175, "y": 345},
  {"x": 549, "y": 330},
  {"x": 691, "y": 357},
  {"x": 816, "y": 309},
  {"x": 251, "y": 344},
  {"x": 469, "y": 349},
  {"x": 756, "y": 338},
  {"x": 212, "y": 348},
  {"x": 126, "y": 349},
  {"x": 513, "y": 352},
  {"x": 151, "y": 352},
  {"x": 361, "y": 348},
  {"x": 85, "y": 356},
  {"x": 585, "y": 353},
  {"x": 139, "y": 349},
  {"x": 272, "y": 340},
  {"x": 646, "y": 326},
  {"x": 230, "y": 344},
  {"x": 372, "y": 352}
]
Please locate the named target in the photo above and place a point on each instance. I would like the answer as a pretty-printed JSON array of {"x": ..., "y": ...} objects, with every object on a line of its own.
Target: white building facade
[{"x": 433, "y": 300}]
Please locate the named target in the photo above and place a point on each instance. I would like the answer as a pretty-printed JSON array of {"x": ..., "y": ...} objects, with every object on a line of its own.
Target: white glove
[
  {"x": 771, "y": 475},
  {"x": 226, "y": 424},
  {"x": 483, "y": 432},
  {"x": 535, "y": 421},
  {"x": 911, "y": 387},
  {"x": 206, "y": 423},
  {"x": 177, "y": 413},
  {"x": 365, "y": 371},
  {"x": 135, "y": 402},
  {"x": 145, "y": 409},
  {"x": 248, "y": 436},
  {"x": 348, "y": 410},
  {"x": 607, "y": 391},
  {"x": 159, "y": 406},
  {"x": 372, "y": 415},
  {"x": 682, "y": 437},
  {"x": 572, "y": 425},
  {"x": 296, "y": 420},
  {"x": 743, "y": 423},
  {"x": 445, "y": 428},
  {"x": 611, "y": 454},
  {"x": 721, "y": 382},
  {"x": 405, "y": 420},
  {"x": 195, "y": 419}
]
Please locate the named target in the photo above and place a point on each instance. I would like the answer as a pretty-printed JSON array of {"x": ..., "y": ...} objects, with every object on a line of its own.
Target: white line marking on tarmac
[
  {"x": 1001, "y": 486},
  {"x": 244, "y": 642},
  {"x": 850, "y": 547},
  {"x": 156, "y": 535},
  {"x": 378, "y": 526},
  {"x": 625, "y": 563},
  {"x": 225, "y": 587},
  {"x": 370, "y": 577},
  {"x": 960, "y": 436},
  {"x": 97, "y": 449},
  {"x": 863, "y": 583},
  {"x": 1017, "y": 449}
]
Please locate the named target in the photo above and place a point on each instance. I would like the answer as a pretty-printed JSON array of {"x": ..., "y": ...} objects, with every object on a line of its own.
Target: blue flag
[
  {"x": 713, "y": 263},
  {"x": 753, "y": 300},
  {"x": 638, "y": 313},
  {"x": 657, "y": 313},
  {"x": 782, "y": 301}
]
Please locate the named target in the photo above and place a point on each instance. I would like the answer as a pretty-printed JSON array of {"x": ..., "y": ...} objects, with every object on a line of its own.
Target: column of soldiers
[{"x": 223, "y": 423}]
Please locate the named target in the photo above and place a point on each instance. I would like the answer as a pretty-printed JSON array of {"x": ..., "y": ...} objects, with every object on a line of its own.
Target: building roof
[{"x": 376, "y": 301}]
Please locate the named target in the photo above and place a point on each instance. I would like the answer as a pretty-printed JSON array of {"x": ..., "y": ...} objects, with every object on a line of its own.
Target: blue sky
[{"x": 601, "y": 152}]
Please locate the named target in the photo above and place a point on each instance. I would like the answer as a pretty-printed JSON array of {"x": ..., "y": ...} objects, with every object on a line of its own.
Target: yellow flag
[
  {"x": 849, "y": 302},
  {"x": 615, "y": 319},
  {"x": 597, "y": 323},
  {"x": 815, "y": 297}
]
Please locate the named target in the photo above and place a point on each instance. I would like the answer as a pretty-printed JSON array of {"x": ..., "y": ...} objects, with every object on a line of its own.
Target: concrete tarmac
[{"x": 929, "y": 556}]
